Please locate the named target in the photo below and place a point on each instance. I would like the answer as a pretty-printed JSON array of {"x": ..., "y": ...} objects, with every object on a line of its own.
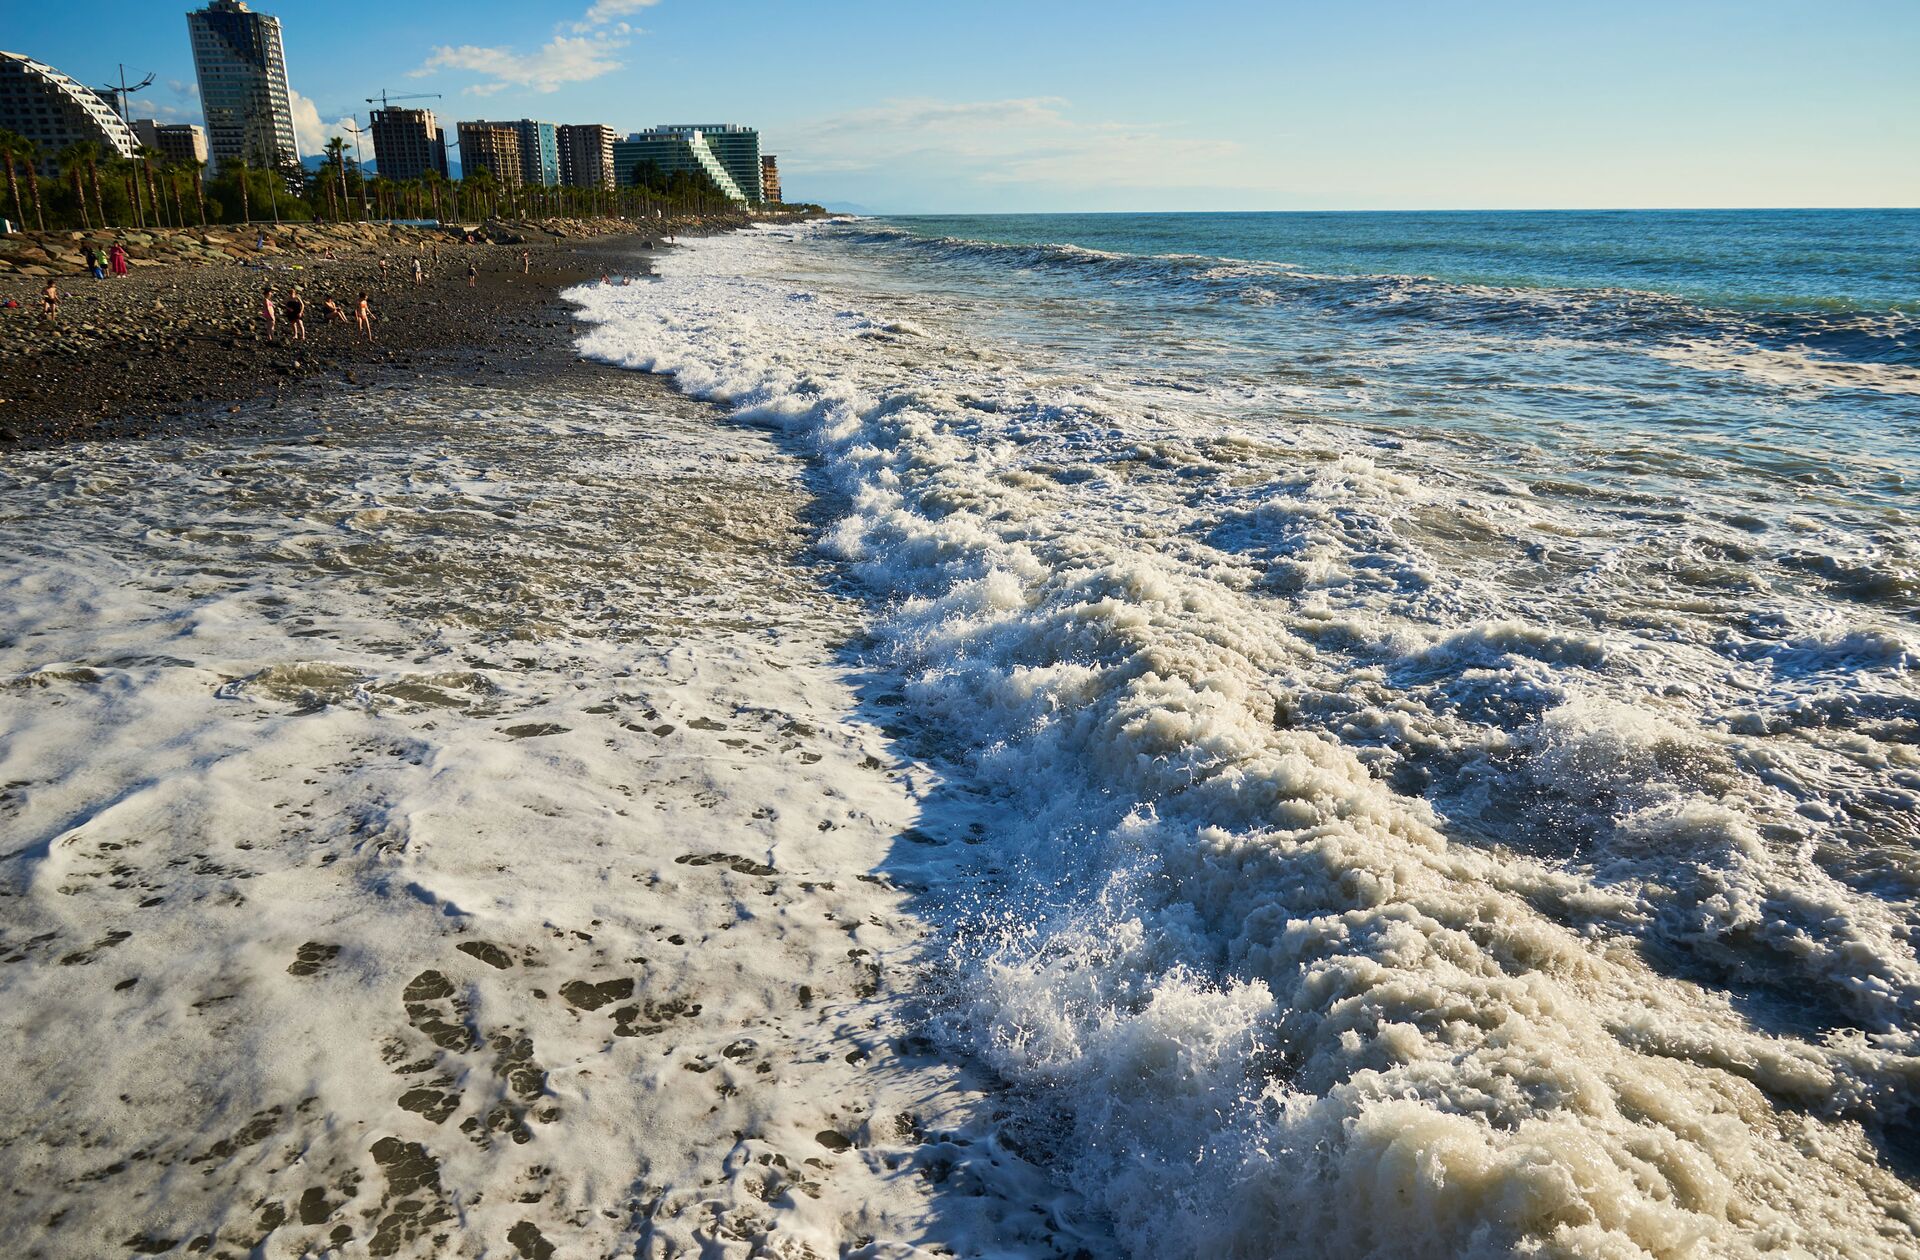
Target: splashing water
[{"x": 1448, "y": 752}]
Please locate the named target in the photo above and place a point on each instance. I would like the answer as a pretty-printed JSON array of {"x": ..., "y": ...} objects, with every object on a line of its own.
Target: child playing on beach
[
  {"x": 330, "y": 311},
  {"x": 363, "y": 317},
  {"x": 266, "y": 309},
  {"x": 419, "y": 270},
  {"x": 296, "y": 316},
  {"x": 93, "y": 263},
  {"x": 49, "y": 301},
  {"x": 472, "y": 274},
  {"x": 526, "y": 262}
]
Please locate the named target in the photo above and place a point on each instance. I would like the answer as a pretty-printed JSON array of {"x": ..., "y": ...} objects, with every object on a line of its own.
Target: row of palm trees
[
  {"x": 146, "y": 190},
  {"x": 100, "y": 188},
  {"x": 346, "y": 195}
]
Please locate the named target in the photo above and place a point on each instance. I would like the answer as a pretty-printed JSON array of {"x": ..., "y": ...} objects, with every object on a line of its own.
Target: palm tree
[
  {"x": 480, "y": 179},
  {"x": 174, "y": 171},
  {"x": 129, "y": 173},
  {"x": 72, "y": 159},
  {"x": 15, "y": 146},
  {"x": 91, "y": 151},
  {"x": 336, "y": 157},
  {"x": 153, "y": 190}
]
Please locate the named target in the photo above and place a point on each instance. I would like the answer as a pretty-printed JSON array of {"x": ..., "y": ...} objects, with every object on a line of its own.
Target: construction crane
[
  {"x": 122, "y": 92},
  {"x": 382, "y": 99}
]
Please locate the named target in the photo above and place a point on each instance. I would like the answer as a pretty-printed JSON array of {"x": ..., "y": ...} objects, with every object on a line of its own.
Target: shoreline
[
  {"x": 491, "y": 844},
  {"x": 175, "y": 349}
]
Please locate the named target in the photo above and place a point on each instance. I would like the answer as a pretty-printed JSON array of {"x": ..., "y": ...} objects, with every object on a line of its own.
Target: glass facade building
[
  {"x": 736, "y": 147},
  {"x": 53, "y": 111},
  {"x": 242, "y": 67},
  {"x": 720, "y": 154},
  {"x": 538, "y": 144},
  {"x": 539, "y": 151}
]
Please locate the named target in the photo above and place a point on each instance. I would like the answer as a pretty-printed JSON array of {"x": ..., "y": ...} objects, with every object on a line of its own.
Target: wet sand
[{"x": 439, "y": 821}]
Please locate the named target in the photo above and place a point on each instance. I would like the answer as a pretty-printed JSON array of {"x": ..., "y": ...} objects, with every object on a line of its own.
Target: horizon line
[{"x": 910, "y": 214}]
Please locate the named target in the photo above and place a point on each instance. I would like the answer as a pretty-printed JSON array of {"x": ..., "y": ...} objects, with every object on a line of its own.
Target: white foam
[
  {"x": 1260, "y": 1002},
  {"x": 289, "y": 729}
]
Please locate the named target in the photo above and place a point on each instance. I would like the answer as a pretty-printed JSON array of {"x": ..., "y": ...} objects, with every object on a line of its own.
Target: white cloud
[
  {"x": 561, "y": 61},
  {"x": 587, "y": 54},
  {"x": 312, "y": 134},
  {"x": 1015, "y": 140},
  {"x": 604, "y": 12},
  {"x": 178, "y": 103}
]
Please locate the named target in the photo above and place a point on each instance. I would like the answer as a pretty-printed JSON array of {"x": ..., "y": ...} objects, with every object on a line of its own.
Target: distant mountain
[{"x": 315, "y": 161}]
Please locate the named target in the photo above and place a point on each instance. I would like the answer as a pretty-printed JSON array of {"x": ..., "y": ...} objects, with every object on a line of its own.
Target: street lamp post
[{"x": 360, "y": 162}]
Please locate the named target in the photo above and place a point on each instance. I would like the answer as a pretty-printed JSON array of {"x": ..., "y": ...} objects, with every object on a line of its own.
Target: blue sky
[{"x": 998, "y": 105}]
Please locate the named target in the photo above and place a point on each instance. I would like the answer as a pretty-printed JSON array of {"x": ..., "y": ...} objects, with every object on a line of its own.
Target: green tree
[
  {"x": 336, "y": 155},
  {"x": 18, "y": 148},
  {"x": 73, "y": 160}
]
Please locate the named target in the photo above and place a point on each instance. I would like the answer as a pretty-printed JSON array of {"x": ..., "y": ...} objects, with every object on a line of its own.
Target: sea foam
[{"x": 1356, "y": 901}]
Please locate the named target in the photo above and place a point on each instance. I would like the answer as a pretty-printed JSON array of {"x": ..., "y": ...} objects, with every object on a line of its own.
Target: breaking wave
[
  {"x": 1380, "y": 861},
  {"x": 1819, "y": 344}
]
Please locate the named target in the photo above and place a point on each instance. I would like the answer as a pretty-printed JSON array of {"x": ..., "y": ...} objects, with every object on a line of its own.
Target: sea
[
  {"x": 1230, "y": 736},
  {"x": 1440, "y": 694}
]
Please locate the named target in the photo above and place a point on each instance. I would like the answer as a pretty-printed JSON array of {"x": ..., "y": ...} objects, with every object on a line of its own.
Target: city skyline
[{"x": 1228, "y": 106}]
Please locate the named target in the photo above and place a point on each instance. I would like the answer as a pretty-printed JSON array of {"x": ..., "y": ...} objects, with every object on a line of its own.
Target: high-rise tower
[{"x": 243, "y": 85}]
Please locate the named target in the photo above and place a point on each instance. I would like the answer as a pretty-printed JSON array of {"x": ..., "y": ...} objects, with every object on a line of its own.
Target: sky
[{"x": 1063, "y": 105}]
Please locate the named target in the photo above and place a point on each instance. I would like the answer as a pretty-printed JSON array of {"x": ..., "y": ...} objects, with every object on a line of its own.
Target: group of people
[
  {"x": 293, "y": 308},
  {"x": 273, "y": 307},
  {"x": 98, "y": 263}
]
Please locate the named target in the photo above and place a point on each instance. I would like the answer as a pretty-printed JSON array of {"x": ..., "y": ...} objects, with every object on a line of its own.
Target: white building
[
  {"x": 177, "y": 142},
  {"x": 54, "y": 111},
  {"x": 243, "y": 85}
]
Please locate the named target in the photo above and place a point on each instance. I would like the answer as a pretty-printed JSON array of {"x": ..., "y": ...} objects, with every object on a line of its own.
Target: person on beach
[
  {"x": 92, "y": 256},
  {"x": 363, "y": 317},
  {"x": 419, "y": 270},
  {"x": 119, "y": 257},
  {"x": 331, "y": 313},
  {"x": 50, "y": 301},
  {"x": 386, "y": 265},
  {"x": 473, "y": 274},
  {"x": 296, "y": 316},
  {"x": 266, "y": 309},
  {"x": 526, "y": 262}
]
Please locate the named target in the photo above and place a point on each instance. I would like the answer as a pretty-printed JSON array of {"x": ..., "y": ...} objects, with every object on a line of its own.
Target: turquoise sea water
[
  {"x": 1783, "y": 345},
  {"x": 1866, "y": 260}
]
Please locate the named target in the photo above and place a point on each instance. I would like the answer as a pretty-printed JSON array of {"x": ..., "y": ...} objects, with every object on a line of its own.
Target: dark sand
[{"x": 175, "y": 350}]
